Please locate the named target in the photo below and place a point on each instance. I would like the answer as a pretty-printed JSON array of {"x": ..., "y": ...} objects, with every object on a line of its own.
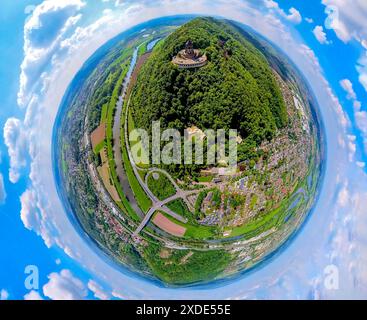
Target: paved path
[
  {"x": 161, "y": 206},
  {"x": 184, "y": 194}
]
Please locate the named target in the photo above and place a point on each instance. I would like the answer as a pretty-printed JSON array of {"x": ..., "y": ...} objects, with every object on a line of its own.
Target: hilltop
[{"x": 236, "y": 89}]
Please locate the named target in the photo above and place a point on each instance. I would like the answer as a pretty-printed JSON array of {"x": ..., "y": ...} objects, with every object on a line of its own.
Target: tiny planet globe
[{"x": 189, "y": 150}]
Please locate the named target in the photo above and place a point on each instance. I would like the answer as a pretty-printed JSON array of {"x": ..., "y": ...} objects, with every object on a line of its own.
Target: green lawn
[
  {"x": 143, "y": 48},
  {"x": 131, "y": 127},
  {"x": 253, "y": 201},
  {"x": 141, "y": 197},
  {"x": 104, "y": 112},
  {"x": 99, "y": 147},
  {"x": 206, "y": 179}
]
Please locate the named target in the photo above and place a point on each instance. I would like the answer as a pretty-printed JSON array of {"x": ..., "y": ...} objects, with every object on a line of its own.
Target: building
[{"x": 190, "y": 57}]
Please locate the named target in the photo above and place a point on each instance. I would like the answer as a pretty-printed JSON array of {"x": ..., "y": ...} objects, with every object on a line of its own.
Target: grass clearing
[
  {"x": 99, "y": 147},
  {"x": 141, "y": 197},
  {"x": 206, "y": 179},
  {"x": 104, "y": 112}
]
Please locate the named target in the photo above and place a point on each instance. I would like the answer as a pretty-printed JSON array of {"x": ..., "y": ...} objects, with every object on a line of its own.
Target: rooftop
[{"x": 190, "y": 57}]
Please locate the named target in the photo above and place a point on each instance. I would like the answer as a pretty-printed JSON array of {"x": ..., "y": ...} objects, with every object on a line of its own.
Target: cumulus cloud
[
  {"x": 317, "y": 72},
  {"x": 361, "y": 164},
  {"x": 29, "y": 211},
  {"x": 64, "y": 286},
  {"x": 352, "y": 147},
  {"x": 320, "y": 35},
  {"x": 309, "y": 20},
  {"x": 4, "y": 294},
  {"x": 343, "y": 196},
  {"x": 33, "y": 295},
  {"x": 348, "y": 19},
  {"x": 359, "y": 114},
  {"x": 43, "y": 31},
  {"x": 292, "y": 16},
  {"x": 362, "y": 69},
  {"x": 82, "y": 34},
  {"x": 347, "y": 85},
  {"x": 34, "y": 216},
  {"x": 118, "y": 295},
  {"x": 358, "y": 266},
  {"x": 16, "y": 142},
  {"x": 361, "y": 121},
  {"x": 2, "y": 190},
  {"x": 98, "y": 291}
]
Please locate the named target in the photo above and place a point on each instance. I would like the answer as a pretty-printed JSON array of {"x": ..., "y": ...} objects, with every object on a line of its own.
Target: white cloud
[
  {"x": 359, "y": 115},
  {"x": 33, "y": 295},
  {"x": 29, "y": 214},
  {"x": 347, "y": 85},
  {"x": 362, "y": 69},
  {"x": 348, "y": 19},
  {"x": 64, "y": 286},
  {"x": 118, "y": 295},
  {"x": 356, "y": 229},
  {"x": 352, "y": 147},
  {"x": 316, "y": 71},
  {"x": 82, "y": 34},
  {"x": 309, "y": 20},
  {"x": 292, "y": 16},
  {"x": 343, "y": 196},
  {"x": 361, "y": 164},
  {"x": 43, "y": 31},
  {"x": 320, "y": 35},
  {"x": 361, "y": 118},
  {"x": 34, "y": 216},
  {"x": 4, "y": 294},
  {"x": 16, "y": 142},
  {"x": 361, "y": 121},
  {"x": 2, "y": 190},
  {"x": 98, "y": 291}
]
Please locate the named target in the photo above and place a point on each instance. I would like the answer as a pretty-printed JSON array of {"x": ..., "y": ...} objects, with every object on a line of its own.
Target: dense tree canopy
[{"x": 235, "y": 90}]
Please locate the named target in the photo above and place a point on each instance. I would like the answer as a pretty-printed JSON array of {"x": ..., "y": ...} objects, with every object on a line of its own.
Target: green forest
[{"x": 235, "y": 90}]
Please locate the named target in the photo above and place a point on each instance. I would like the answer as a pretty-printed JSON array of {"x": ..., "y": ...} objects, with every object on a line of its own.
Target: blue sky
[{"x": 43, "y": 45}]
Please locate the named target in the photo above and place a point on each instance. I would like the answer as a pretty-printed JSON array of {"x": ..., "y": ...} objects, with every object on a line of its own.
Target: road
[{"x": 161, "y": 206}]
